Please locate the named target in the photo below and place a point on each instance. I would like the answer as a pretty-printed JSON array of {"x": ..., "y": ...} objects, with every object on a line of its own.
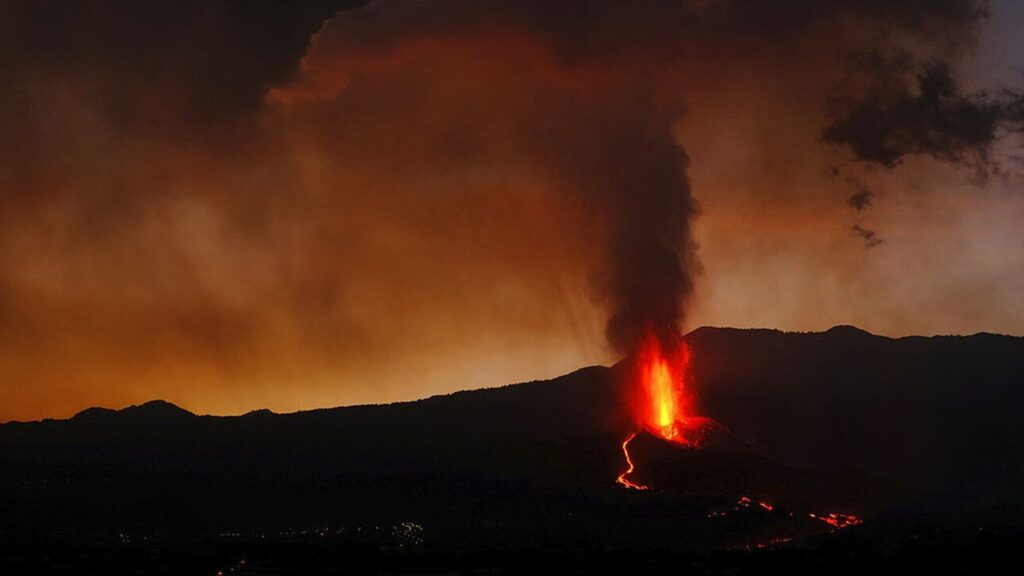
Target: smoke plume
[
  {"x": 297, "y": 204},
  {"x": 630, "y": 67}
]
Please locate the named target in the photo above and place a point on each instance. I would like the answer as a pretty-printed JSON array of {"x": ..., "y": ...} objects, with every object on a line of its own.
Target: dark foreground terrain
[{"x": 837, "y": 452}]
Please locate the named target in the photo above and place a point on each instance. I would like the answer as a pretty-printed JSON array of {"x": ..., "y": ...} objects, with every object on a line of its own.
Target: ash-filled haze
[{"x": 234, "y": 205}]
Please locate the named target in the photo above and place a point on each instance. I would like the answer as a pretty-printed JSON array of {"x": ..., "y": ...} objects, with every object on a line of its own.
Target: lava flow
[
  {"x": 622, "y": 479},
  {"x": 660, "y": 401},
  {"x": 663, "y": 404},
  {"x": 837, "y": 521}
]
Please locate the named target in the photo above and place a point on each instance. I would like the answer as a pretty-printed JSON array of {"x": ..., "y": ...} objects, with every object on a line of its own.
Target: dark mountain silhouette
[
  {"x": 928, "y": 415},
  {"x": 902, "y": 433}
]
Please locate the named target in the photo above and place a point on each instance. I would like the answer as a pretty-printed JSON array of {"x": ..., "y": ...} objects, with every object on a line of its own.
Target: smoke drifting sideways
[
  {"x": 630, "y": 68},
  {"x": 906, "y": 112},
  {"x": 304, "y": 190},
  {"x": 907, "y": 107}
]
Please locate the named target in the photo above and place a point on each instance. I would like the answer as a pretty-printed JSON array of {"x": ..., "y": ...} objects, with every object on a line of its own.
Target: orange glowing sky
[{"x": 371, "y": 224}]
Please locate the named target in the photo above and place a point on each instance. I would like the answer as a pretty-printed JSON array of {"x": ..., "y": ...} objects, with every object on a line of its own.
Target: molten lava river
[{"x": 663, "y": 406}]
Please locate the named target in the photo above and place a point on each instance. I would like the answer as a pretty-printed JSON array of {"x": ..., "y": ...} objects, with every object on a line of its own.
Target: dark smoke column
[{"x": 653, "y": 254}]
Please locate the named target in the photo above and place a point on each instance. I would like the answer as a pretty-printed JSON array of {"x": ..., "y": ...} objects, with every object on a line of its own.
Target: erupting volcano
[
  {"x": 623, "y": 478},
  {"x": 663, "y": 405},
  {"x": 660, "y": 401}
]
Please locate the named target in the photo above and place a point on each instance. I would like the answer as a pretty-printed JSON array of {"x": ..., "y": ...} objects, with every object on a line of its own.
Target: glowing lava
[
  {"x": 743, "y": 503},
  {"x": 622, "y": 479},
  {"x": 659, "y": 399},
  {"x": 663, "y": 397},
  {"x": 837, "y": 521},
  {"x": 663, "y": 406}
]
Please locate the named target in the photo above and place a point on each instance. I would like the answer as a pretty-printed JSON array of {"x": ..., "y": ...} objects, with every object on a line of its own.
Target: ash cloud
[
  {"x": 644, "y": 196},
  {"x": 186, "y": 65},
  {"x": 239, "y": 194},
  {"x": 923, "y": 113},
  {"x": 860, "y": 201},
  {"x": 870, "y": 237},
  {"x": 863, "y": 196}
]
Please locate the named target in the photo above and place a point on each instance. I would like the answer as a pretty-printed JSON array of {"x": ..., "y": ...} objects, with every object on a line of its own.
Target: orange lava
[
  {"x": 837, "y": 521},
  {"x": 770, "y": 543},
  {"x": 663, "y": 406},
  {"x": 659, "y": 399},
  {"x": 743, "y": 502},
  {"x": 629, "y": 470}
]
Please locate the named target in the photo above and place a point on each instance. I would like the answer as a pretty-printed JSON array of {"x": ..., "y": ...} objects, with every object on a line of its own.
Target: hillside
[{"x": 840, "y": 421}]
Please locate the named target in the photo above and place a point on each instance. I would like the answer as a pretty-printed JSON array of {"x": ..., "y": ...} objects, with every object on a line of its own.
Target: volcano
[{"x": 813, "y": 443}]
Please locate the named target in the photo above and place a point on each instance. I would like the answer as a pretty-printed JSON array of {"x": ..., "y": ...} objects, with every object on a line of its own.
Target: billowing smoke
[
  {"x": 613, "y": 77},
  {"x": 653, "y": 255},
  {"x": 905, "y": 112},
  {"x": 244, "y": 194},
  {"x": 598, "y": 126}
]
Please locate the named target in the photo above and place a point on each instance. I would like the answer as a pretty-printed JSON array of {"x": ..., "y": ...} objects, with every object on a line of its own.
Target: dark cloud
[
  {"x": 863, "y": 196},
  {"x": 640, "y": 174},
  {"x": 269, "y": 191},
  {"x": 155, "y": 62},
  {"x": 870, "y": 237},
  {"x": 860, "y": 201},
  {"x": 926, "y": 113}
]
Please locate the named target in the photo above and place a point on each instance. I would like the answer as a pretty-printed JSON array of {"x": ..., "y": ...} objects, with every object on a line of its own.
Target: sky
[{"x": 241, "y": 205}]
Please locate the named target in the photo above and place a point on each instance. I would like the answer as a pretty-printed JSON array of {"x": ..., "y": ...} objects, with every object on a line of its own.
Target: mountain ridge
[
  {"x": 840, "y": 331},
  {"x": 835, "y": 422}
]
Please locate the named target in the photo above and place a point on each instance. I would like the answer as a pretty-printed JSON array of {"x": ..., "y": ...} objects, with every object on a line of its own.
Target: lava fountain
[
  {"x": 662, "y": 404},
  {"x": 663, "y": 407}
]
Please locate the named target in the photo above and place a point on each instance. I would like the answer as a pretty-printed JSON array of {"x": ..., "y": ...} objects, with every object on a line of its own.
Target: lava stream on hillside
[
  {"x": 663, "y": 410},
  {"x": 622, "y": 479},
  {"x": 659, "y": 399}
]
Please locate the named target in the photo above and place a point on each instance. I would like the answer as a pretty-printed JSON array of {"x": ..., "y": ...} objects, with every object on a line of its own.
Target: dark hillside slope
[
  {"x": 932, "y": 415},
  {"x": 836, "y": 421}
]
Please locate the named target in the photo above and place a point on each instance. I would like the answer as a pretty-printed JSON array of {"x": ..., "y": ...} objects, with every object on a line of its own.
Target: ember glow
[
  {"x": 745, "y": 502},
  {"x": 661, "y": 403},
  {"x": 664, "y": 405},
  {"x": 837, "y": 521},
  {"x": 623, "y": 478}
]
